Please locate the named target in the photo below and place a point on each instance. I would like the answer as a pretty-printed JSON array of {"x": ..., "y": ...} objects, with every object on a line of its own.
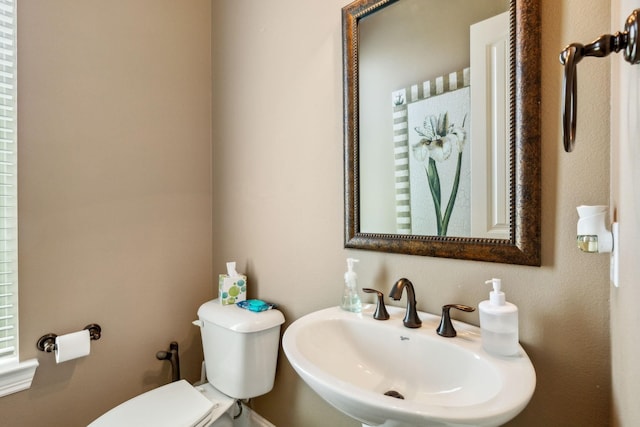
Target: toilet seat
[{"x": 178, "y": 404}]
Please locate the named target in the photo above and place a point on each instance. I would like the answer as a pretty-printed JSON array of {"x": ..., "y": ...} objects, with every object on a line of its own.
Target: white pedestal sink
[{"x": 352, "y": 360}]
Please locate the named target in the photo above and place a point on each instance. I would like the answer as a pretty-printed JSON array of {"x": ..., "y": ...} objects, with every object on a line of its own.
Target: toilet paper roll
[{"x": 73, "y": 345}]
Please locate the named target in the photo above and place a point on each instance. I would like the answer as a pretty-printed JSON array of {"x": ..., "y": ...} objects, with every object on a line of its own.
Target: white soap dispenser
[
  {"x": 498, "y": 323},
  {"x": 351, "y": 296}
]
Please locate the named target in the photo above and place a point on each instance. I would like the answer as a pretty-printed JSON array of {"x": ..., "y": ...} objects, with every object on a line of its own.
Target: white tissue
[
  {"x": 72, "y": 346},
  {"x": 231, "y": 269}
]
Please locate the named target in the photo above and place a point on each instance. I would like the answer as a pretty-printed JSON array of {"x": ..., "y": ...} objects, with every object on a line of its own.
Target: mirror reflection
[
  {"x": 442, "y": 128},
  {"x": 433, "y": 118}
]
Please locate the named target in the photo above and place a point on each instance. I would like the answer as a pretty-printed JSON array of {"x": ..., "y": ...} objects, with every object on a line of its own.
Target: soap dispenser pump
[
  {"x": 498, "y": 322},
  {"x": 351, "y": 296}
]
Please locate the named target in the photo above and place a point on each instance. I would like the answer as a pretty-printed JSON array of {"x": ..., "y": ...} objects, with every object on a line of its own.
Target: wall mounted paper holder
[{"x": 47, "y": 343}]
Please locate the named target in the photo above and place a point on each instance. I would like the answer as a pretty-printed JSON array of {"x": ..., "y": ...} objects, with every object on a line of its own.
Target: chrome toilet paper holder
[{"x": 47, "y": 343}]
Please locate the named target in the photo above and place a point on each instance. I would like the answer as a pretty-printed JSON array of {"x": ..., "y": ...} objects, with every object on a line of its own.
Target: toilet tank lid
[{"x": 238, "y": 319}]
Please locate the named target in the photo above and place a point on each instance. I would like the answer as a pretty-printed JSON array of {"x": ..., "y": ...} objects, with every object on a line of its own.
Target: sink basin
[{"x": 352, "y": 360}]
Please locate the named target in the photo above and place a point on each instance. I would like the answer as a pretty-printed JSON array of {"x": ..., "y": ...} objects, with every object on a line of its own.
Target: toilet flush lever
[{"x": 627, "y": 41}]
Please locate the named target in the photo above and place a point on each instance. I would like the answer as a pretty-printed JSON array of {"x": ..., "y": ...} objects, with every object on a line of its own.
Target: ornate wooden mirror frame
[{"x": 523, "y": 245}]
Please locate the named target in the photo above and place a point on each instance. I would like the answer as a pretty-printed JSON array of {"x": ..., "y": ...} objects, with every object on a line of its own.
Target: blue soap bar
[{"x": 255, "y": 305}]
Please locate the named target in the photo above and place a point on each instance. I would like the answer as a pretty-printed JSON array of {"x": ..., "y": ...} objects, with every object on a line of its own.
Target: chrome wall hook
[{"x": 627, "y": 41}]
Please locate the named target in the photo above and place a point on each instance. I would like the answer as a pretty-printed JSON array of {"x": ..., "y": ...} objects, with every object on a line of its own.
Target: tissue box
[{"x": 232, "y": 289}]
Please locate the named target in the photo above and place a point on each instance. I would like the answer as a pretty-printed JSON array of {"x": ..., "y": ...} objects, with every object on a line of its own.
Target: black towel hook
[{"x": 626, "y": 40}]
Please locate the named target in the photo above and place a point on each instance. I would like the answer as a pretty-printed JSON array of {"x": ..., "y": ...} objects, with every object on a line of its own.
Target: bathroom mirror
[{"x": 442, "y": 128}]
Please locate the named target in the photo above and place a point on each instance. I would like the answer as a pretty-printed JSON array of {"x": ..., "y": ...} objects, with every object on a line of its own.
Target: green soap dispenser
[
  {"x": 351, "y": 296},
  {"x": 498, "y": 323}
]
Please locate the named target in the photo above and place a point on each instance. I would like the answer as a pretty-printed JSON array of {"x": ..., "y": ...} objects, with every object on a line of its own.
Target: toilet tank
[{"x": 240, "y": 348}]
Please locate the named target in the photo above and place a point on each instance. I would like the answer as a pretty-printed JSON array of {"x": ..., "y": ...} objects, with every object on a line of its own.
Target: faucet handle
[
  {"x": 446, "y": 328},
  {"x": 381, "y": 311}
]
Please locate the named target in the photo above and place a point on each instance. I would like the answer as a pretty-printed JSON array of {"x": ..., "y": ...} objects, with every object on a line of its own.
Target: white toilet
[{"x": 240, "y": 353}]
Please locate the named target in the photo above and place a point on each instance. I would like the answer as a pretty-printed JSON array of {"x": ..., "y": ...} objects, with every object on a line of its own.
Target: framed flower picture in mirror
[{"x": 431, "y": 130}]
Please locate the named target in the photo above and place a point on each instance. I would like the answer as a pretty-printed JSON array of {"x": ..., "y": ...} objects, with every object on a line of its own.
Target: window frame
[{"x": 15, "y": 375}]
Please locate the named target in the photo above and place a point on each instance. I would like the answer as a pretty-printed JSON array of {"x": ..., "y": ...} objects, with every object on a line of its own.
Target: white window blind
[
  {"x": 8, "y": 186},
  {"x": 15, "y": 375}
]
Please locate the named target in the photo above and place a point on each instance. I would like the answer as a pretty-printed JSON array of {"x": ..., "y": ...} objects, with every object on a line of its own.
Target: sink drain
[{"x": 394, "y": 393}]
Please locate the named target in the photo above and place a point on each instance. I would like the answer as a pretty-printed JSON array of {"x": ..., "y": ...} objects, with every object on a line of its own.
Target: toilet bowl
[{"x": 240, "y": 352}]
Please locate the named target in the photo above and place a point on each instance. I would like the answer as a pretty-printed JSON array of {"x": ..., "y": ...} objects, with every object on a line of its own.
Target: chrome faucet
[{"x": 411, "y": 319}]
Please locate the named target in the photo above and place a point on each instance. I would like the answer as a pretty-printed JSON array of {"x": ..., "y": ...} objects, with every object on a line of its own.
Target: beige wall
[
  {"x": 277, "y": 141},
  {"x": 115, "y": 196},
  {"x": 115, "y": 199}
]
